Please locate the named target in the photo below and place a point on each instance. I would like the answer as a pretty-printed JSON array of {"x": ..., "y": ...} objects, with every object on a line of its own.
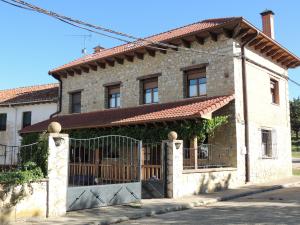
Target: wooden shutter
[{"x": 274, "y": 144}]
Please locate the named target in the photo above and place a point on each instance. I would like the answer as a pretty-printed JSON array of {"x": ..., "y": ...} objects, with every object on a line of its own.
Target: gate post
[
  {"x": 58, "y": 160},
  {"x": 174, "y": 165}
]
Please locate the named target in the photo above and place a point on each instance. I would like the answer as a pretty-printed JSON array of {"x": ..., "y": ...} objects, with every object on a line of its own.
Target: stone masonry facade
[{"x": 224, "y": 77}]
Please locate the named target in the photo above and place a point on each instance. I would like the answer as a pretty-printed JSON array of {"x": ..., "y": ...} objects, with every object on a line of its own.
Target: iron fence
[
  {"x": 205, "y": 156},
  {"x": 103, "y": 160},
  {"x": 11, "y": 157}
]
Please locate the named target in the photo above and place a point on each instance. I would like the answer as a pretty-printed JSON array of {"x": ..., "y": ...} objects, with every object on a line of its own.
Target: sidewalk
[{"x": 115, "y": 214}]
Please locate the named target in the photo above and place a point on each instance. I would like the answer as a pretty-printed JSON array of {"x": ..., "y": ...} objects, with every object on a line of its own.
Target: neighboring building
[
  {"x": 227, "y": 67},
  {"x": 22, "y": 107}
]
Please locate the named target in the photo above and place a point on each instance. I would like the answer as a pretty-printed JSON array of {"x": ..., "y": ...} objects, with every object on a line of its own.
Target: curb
[{"x": 181, "y": 207}]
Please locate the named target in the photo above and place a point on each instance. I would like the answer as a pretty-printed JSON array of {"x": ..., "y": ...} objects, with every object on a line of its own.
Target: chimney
[
  {"x": 98, "y": 49},
  {"x": 268, "y": 23}
]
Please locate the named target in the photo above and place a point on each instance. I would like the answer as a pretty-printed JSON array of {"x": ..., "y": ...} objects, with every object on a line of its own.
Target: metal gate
[
  {"x": 154, "y": 170},
  {"x": 104, "y": 171}
]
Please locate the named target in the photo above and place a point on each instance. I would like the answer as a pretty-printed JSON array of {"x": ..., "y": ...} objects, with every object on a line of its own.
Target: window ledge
[
  {"x": 267, "y": 157},
  {"x": 275, "y": 104},
  {"x": 209, "y": 170}
]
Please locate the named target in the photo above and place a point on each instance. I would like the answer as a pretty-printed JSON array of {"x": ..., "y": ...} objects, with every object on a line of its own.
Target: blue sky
[{"x": 32, "y": 44}]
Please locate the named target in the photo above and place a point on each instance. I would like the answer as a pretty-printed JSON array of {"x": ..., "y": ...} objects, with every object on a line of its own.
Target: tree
[{"x": 295, "y": 116}]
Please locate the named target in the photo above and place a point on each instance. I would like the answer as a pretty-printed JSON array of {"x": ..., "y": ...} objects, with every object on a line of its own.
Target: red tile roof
[
  {"x": 171, "y": 34},
  {"x": 29, "y": 95},
  {"x": 183, "y": 109}
]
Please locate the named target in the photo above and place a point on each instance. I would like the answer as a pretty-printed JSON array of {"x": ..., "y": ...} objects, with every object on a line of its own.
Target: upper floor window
[
  {"x": 113, "y": 96},
  {"x": 196, "y": 83},
  {"x": 3, "y": 120},
  {"x": 274, "y": 88},
  {"x": 150, "y": 90},
  {"x": 75, "y": 102},
  {"x": 26, "y": 119}
]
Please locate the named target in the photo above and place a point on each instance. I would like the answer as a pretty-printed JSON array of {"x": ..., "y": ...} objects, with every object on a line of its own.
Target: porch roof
[{"x": 172, "y": 111}]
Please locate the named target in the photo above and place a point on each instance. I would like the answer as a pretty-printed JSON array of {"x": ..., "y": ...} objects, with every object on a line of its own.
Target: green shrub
[{"x": 27, "y": 173}]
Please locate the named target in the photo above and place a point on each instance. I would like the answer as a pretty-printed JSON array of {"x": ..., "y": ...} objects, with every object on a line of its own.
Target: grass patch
[
  {"x": 296, "y": 172},
  {"x": 295, "y": 154}
]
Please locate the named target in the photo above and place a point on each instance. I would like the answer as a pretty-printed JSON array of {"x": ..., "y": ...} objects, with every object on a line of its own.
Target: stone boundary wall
[
  {"x": 194, "y": 182},
  {"x": 33, "y": 204}
]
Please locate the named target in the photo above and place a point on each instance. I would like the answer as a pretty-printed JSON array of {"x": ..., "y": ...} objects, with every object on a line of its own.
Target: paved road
[{"x": 275, "y": 207}]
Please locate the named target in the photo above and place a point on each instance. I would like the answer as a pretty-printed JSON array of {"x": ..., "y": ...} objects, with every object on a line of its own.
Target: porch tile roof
[
  {"x": 29, "y": 95},
  {"x": 183, "y": 109}
]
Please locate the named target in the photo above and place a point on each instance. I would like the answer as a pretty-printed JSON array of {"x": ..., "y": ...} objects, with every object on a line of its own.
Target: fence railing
[
  {"x": 205, "y": 156},
  {"x": 11, "y": 157}
]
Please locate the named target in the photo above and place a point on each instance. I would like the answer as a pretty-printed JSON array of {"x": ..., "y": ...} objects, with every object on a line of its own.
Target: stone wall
[
  {"x": 219, "y": 76},
  {"x": 33, "y": 204}
]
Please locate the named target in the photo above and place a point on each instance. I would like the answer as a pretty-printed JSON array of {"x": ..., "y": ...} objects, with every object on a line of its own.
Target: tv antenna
[{"x": 85, "y": 37}]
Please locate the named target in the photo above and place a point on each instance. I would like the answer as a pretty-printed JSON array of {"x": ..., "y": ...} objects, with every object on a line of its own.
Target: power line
[
  {"x": 137, "y": 39},
  {"x": 80, "y": 24}
]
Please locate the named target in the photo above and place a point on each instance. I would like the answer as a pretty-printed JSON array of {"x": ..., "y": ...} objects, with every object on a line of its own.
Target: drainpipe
[
  {"x": 245, "y": 105},
  {"x": 59, "y": 97}
]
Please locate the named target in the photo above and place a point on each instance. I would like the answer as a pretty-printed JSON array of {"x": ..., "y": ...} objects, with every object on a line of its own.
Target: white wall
[{"x": 39, "y": 112}]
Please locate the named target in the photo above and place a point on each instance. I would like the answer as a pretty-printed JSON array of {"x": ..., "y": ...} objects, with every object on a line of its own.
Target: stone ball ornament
[
  {"x": 54, "y": 127},
  {"x": 172, "y": 136}
]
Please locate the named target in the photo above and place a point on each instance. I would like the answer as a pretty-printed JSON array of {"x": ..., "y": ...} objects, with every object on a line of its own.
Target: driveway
[{"x": 274, "y": 207}]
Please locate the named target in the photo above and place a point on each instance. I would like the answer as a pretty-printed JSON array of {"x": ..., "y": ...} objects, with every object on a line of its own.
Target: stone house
[{"x": 222, "y": 66}]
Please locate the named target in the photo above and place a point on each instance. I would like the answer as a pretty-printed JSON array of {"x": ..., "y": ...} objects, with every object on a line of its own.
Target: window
[
  {"x": 266, "y": 143},
  {"x": 274, "y": 88},
  {"x": 3, "y": 118},
  {"x": 113, "y": 96},
  {"x": 26, "y": 119},
  {"x": 150, "y": 91},
  {"x": 75, "y": 102},
  {"x": 196, "y": 83}
]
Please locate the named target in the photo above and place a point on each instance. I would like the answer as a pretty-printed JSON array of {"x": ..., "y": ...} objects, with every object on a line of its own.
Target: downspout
[
  {"x": 59, "y": 97},
  {"x": 245, "y": 106}
]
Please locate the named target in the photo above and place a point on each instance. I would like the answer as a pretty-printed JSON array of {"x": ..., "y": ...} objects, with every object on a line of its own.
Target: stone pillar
[
  {"x": 57, "y": 171},
  {"x": 194, "y": 151},
  {"x": 174, "y": 165}
]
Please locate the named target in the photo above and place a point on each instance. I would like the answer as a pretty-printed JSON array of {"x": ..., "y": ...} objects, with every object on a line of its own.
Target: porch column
[
  {"x": 194, "y": 152},
  {"x": 174, "y": 165},
  {"x": 57, "y": 170}
]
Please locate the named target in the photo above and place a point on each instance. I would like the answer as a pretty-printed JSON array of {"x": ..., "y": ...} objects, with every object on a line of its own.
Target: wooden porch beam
[
  {"x": 282, "y": 58},
  {"x": 101, "y": 64},
  {"x": 71, "y": 73},
  {"x": 139, "y": 55},
  {"x": 185, "y": 43},
  {"x": 93, "y": 67},
  {"x": 272, "y": 52},
  {"x": 260, "y": 45},
  {"x": 85, "y": 69},
  {"x": 200, "y": 40},
  {"x": 110, "y": 62},
  {"x": 129, "y": 58},
  {"x": 248, "y": 37},
  {"x": 243, "y": 32},
  {"x": 150, "y": 51},
  {"x": 119, "y": 60},
  {"x": 77, "y": 71},
  {"x": 266, "y": 49},
  {"x": 236, "y": 30},
  {"x": 277, "y": 55},
  {"x": 228, "y": 32},
  {"x": 255, "y": 42},
  {"x": 213, "y": 36}
]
